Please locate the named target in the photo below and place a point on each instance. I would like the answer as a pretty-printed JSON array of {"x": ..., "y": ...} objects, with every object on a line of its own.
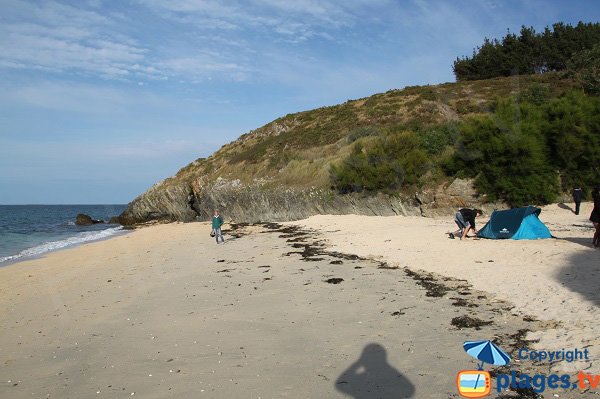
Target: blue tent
[{"x": 518, "y": 224}]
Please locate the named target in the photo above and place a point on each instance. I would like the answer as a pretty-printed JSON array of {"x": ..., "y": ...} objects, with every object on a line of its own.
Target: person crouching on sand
[
  {"x": 217, "y": 222},
  {"x": 595, "y": 216},
  {"x": 465, "y": 220}
]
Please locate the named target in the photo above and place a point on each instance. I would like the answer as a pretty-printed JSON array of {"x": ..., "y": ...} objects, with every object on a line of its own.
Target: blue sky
[{"x": 100, "y": 99}]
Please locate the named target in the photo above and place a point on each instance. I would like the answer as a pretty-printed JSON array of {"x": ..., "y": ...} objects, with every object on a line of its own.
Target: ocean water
[{"x": 32, "y": 230}]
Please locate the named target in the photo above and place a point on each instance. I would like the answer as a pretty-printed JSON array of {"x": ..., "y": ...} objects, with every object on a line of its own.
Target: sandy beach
[
  {"x": 553, "y": 280},
  {"x": 286, "y": 311}
]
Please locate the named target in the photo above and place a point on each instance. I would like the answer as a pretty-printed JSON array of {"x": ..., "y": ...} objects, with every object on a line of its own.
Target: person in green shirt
[{"x": 217, "y": 222}]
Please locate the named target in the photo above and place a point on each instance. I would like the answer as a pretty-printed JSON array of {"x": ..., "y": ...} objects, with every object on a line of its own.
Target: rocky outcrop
[
  {"x": 447, "y": 198},
  {"x": 278, "y": 162},
  {"x": 114, "y": 220},
  {"x": 260, "y": 201},
  {"x": 168, "y": 200},
  {"x": 86, "y": 220},
  {"x": 458, "y": 194}
]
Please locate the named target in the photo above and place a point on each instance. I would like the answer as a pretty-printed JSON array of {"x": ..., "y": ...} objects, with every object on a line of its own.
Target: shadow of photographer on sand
[{"x": 372, "y": 377}]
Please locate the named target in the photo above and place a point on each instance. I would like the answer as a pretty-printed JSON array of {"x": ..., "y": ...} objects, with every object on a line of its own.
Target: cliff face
[
  {"x": 257, "y": 203},
  {"x": 281, "y": 171},
  {"x": 254, "y": 203},
  {"x": 166, "y": 201}
]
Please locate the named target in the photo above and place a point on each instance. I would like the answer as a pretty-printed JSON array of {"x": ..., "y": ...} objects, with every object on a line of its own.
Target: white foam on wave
[{"x": 67, "y": 242}]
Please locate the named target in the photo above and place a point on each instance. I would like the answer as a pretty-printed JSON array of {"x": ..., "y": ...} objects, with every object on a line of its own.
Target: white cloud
[
  {"x": 205, "y": 39},
  {"x": 205, "y": 14},
  {"x": 322, "y": 12},
  {"x": 301, "y": 18},
  {"x": 102, "y": 57},
  {"x": 61, "y": 38},
  {"x": 203, "y": 66},
  {"x": 198, "y": 6}
]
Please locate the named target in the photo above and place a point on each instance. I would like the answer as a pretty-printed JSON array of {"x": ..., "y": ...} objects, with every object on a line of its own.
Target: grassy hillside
[{"x": 299, "y": 149}]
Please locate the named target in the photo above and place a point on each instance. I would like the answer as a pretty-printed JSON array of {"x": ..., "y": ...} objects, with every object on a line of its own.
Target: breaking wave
[{"x": 80, "y": 238}]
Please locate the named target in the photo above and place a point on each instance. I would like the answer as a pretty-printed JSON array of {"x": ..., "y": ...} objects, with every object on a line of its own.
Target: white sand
[
  {"x": 551, "y": 280},
  {"x": 165, "y": 312}
]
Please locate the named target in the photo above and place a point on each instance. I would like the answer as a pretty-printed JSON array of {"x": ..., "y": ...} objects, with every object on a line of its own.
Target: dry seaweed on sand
[
  {"x": 235, "y": 230},
  {"x": 469, "y": 322},
  {"x": 463, "y": 302},
  {"x": 434, "y": 289}
]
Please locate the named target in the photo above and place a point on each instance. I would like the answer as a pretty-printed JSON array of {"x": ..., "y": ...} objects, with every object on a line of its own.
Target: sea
[{"x": 28, "y": 231}]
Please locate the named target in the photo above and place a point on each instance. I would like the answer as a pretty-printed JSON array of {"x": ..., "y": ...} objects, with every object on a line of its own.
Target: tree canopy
[{"x": 529, "y": 52}]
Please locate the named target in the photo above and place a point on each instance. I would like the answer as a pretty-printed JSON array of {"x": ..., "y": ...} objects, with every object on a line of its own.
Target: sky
[{"x": 101, "y": 99}]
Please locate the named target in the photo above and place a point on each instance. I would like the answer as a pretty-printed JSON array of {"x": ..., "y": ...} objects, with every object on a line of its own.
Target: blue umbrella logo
[{"x": 487, "y": 352}]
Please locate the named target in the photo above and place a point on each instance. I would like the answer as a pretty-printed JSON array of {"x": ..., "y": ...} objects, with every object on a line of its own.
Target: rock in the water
[{"x": 86, "y": 220}]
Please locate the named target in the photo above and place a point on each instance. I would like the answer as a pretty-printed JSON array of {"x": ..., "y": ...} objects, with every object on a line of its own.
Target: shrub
[
  {"x": 362, "y": 131},
  {"x": 516, "y": 153},
  {"x": 435, "y": 140},
  {"x": 536, "y": 94},
  {"x": 585, "y": 67},
  {"x": 507, "y": 157},
  {"x": 466, "y": 106},
  {"x": 392, "y": 161},
  {"x": 572, "y": 131}
]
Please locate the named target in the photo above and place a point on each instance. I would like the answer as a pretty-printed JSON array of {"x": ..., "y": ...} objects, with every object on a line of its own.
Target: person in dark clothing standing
[
  {"x": 595, "y": 216},
  {"x": 577, "y": 197},
  {"x": 465, "y": 220}
]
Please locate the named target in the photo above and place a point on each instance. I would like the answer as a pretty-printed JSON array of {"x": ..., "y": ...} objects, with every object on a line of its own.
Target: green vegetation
[
  {"x": 395, "y": 158},
  {"x": 507, "y": 155},
  {"x": 528, "y": 150},
  {"x": 420, "y": 137},
  {"x": 522, "y": 121},
  {"x": 585, "y": 67},
  {"x": 527, "y": 153},
  {"x": 529, "y": 52},
  {"x": 572, "y": 129},
  {"x": 386, "y": 164},
  {"x": 414, "y": 108},
  {"x": 523, "y": 146}
]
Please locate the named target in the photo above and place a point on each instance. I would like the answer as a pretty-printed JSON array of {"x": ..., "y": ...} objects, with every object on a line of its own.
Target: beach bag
[{"x": 212, "y": 233}]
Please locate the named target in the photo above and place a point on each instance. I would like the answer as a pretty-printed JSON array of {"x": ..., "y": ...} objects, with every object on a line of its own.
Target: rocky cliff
[
  {"x": 173, "y": 201},
  {"x": 281, "y": 171}
]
